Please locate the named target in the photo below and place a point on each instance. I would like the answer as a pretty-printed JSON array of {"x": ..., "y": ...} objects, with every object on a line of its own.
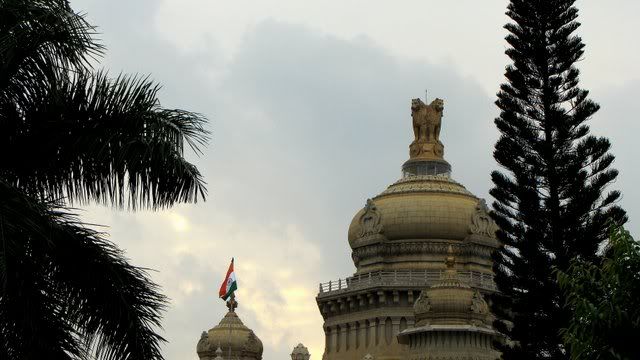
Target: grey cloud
[{"x": 341, "y": 125}]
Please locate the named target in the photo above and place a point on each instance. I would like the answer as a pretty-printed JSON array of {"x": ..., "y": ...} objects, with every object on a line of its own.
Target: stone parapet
[{"x": 415, "y": 279}]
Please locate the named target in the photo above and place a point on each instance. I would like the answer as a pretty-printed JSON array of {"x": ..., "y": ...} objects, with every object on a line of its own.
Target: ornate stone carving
[
  {"x": 423, "y": 304},
  {"x": 427, "y": 120},
  {"x": 370, "y": 220},
  {"x": 218, "y": 354},
  {"x": 252, "y": 342},
  {"x": 478, "y": 304},
  {"x": 204, "y": 340},
  {"x": 481, "y": 222},
  {"x": 367, "y": 357}
]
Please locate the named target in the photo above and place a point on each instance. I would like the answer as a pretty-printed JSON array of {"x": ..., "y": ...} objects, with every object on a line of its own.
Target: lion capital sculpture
[{"x": 427, "y": 120}]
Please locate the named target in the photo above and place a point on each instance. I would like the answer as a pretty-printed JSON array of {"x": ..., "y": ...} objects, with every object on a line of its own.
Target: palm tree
[{"x": 71, "y": 135}]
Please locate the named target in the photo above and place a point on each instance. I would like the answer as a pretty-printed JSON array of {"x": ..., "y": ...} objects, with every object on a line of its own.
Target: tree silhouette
[
  {"x": 73, "y": 135},
  {"x": 551, "y": 204}
]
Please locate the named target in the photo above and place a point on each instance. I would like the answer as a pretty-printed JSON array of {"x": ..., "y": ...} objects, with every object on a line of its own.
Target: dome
[
  {"x": 232, "y": 334},
  {"x": 300, "y": 352},
  {"x": 416, "y": 207},
  {"x": 450, "y": 302},
  {"x": 410, "y": 224}
]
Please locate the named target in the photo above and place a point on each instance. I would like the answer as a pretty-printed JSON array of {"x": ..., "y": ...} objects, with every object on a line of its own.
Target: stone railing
[{"x": 402, "y": 278}]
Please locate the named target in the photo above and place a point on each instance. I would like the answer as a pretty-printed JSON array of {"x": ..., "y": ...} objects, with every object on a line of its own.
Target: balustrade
[{"x": 417, "y": 278}]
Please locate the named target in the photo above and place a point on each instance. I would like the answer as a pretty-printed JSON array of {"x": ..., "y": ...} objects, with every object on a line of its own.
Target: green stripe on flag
[{"x": 230, "y": 290}]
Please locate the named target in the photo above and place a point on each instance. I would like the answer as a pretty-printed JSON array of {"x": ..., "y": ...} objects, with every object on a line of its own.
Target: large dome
[
  {"x": 418, "y": 207},
  {"x": 410, "y": 225}
]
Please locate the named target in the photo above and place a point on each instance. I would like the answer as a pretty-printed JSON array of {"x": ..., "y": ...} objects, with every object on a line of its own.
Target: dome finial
[
  {"x": 426, "y": 151},
  {"x": 450, "y": 260},
  {"x": 450, "y": 276},
  {"x": 232, "y": 304}
]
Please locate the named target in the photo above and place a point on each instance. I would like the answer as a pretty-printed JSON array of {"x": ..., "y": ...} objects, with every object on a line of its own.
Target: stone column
[
  {"x": 344, "y": 331},
  {"x": 371, "y": 338},
  {"x": 328, "y": 339},
  {"x": 395, "y": 322}
]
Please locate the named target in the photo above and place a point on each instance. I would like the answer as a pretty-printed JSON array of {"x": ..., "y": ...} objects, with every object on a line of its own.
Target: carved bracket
[
  {"x": 370, "y": 220},
  {"x": 481, "y": 222}
]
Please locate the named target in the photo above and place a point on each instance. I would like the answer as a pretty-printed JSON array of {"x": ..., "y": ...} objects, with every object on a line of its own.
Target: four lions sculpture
[{"x": 427, "y": 120}]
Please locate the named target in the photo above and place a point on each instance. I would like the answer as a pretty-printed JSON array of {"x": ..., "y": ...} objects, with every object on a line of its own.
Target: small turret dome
[
  {"x": 451, "y": 302},
  {"x": 300, "y": 352},
  {"x": 230, "y": 335}
]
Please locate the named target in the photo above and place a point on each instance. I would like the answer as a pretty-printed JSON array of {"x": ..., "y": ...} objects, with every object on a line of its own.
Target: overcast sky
[{"x": 308, "y": 103}]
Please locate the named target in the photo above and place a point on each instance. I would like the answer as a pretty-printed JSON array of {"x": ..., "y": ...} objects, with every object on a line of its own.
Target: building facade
[{"x": 400, "y": 240}]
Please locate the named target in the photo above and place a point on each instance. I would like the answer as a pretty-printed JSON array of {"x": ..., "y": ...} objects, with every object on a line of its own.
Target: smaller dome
[
  {"x": 230, "y": 335},
  {"x": 450, "y": 302},
  {"x": 300, "y": 352}
]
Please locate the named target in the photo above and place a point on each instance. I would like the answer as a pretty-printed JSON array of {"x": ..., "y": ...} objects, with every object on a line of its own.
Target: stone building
[{"x": 400, "y": 240}]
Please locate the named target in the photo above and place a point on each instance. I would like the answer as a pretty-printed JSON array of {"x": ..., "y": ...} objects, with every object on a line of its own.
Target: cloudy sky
[{"x": 308, "y": 103}]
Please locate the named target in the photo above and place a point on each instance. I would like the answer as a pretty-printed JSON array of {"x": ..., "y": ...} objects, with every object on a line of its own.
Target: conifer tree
[{"x": 551, "y": 203}]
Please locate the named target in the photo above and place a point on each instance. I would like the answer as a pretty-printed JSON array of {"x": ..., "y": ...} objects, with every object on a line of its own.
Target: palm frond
[
  {"x": 37, "y": 36},
  {"x": 64, "y": 290},
  {"x": 105, "y": 140}
]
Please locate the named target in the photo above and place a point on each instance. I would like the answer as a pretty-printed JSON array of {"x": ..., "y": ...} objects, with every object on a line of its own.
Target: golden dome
[
  {"x": 417, "y": 207},
  {"x": 410, "y": 224},
  {"x": 230, "y": 333}
]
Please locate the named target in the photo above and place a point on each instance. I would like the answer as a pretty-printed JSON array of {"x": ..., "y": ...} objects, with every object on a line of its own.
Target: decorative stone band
[
  {"x": 394, "y": 249},
  {"x": 461, "y": 328},
  {"x": 450, "y": 342},
  {"x": 425, "y": 183}
]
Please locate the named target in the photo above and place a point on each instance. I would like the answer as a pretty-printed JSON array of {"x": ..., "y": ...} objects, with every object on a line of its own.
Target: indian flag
[{"x": 229, "y": 285}]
